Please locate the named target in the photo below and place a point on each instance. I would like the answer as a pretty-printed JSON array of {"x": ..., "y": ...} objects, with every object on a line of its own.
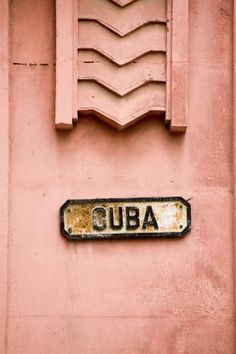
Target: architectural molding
[{"x": 93, "y": 46}]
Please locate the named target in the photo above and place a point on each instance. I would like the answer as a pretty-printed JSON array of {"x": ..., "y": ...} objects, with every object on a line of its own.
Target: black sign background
[{"x": 124, "y": 235}]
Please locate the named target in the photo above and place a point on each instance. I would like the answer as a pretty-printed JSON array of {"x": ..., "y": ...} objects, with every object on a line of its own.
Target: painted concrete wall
[{"x": 143, "y": 296}]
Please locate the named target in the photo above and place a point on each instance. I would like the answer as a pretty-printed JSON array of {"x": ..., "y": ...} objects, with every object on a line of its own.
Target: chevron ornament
[{"x": 122, "y": 60}]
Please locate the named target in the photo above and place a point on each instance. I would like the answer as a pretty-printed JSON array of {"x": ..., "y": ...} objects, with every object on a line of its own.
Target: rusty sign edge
[{"x": 88, "y": 237}]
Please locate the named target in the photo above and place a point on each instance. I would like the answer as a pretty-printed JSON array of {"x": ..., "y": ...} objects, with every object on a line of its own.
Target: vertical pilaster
[
  {"x": 4, "y": 164},
  {"x": 66, "y": 63},
  {"x": 177, "y": 64}
]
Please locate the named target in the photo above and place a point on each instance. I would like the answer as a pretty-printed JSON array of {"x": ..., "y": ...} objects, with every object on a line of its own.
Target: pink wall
[{"x": 143, "y": 296}]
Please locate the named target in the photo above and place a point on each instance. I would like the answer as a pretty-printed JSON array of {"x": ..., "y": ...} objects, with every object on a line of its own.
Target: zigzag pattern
[
  {"x": 122, "y": 2},
  {"x": 121, "y": 51},
  {"x": 121, "y": 59},
  {"x": 92, "y": 98},
  {"x": 110, "y": 16},
  {"x": 121, "y": 80}
]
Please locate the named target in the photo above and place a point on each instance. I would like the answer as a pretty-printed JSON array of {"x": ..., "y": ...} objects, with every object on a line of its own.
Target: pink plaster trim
[
  {"x": 4, "y": 163},
  {"x": 122, "y": 2},
  {"x": 141, "y": 13},
  {"x": 93, "y": 33},
  {"x": 177, "y": 64},
  {"x": 66, "y": 63}
]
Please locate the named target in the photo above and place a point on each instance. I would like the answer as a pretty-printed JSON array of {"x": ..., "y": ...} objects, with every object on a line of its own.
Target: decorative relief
[{"x": 121, "y": 60}]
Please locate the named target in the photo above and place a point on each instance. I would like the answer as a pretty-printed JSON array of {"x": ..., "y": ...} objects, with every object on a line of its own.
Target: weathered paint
[
  {"x": 125, "y": 296},
  {"x": 125, "y": 218}
]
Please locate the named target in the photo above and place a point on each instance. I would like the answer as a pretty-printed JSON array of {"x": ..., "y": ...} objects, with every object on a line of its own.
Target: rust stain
[{"x": 79, "y": 219}]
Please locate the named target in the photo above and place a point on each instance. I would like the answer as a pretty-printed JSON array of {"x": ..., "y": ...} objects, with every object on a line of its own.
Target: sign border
[{"x": 87, "y": 237}]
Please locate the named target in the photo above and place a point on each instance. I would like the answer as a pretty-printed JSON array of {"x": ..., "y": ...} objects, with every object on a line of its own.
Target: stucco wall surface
[{"x": 130, "y": 296}]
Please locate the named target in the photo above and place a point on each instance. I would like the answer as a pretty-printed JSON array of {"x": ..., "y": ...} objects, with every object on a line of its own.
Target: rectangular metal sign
[{"x": 125, "y": 218}]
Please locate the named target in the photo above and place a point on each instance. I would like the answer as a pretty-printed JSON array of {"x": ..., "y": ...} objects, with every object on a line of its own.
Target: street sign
[{"x": 125, "y": 218}]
